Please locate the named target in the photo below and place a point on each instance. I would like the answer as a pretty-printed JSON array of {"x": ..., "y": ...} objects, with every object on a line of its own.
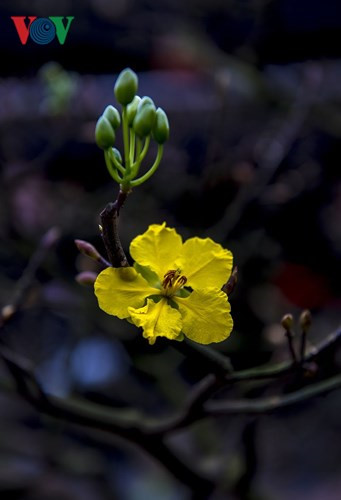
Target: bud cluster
[
  {"x": 305, "y": 321},
  {"x": 140, "y": 121}
]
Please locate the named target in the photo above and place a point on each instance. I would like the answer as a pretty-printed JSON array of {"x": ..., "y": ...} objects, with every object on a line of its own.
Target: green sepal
[
  {"x": 183, "y": 293},
  {"x": 126, "y": 86},
  {"x": 113, "y": 116},
  {"x": 161, "y": 127},
  {"x": 155, "y": 298},
  {"x": 180, "y": 337},
  {"x": 104, "y": 133},
  {"x": 148, "y": 275}
]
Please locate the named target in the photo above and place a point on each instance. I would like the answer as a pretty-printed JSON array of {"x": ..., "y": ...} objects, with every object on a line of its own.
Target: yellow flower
[{"x": 173, "y": 289}]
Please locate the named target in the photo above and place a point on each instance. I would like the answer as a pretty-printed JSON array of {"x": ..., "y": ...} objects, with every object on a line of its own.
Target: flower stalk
[
  {"x": 140, "y": 122},
  {"x": 287, "y": 322},
  {"x": 305, "y": 324}
]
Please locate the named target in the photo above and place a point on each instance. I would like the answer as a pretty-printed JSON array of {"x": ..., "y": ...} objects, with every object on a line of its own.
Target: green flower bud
[
  {"x": 161, "y": 127},
  {"x": 104, "y": 133},
  {"x": 113, "y": 116},
  {"x": 144, "y": 119},
  {"x": 126, "y": 86},
  {"x": 146, "y": 100},
  {"x": 131, "y": 109},
  {"x": 117, "y": 154}
]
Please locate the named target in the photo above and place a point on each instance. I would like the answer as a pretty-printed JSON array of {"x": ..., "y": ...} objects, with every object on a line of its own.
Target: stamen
[
  {"x": 169, "y": 278},
  {"x": 181, "y": 280},
  {"x": 173, "y": 280}
]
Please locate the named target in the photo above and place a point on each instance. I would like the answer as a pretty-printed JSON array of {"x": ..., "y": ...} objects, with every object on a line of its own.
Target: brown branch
[
  {"x": 274, "y": 371},
  {"x": 244, "y": 406},
  {"x": 147, "y": 432},
  {"x": 219, "y": 363},
  {"x": 268, "y": 405},
  {"x": 109, "y": 221},
  {"x": 194, "y": 409},
  {"x": 127, "y": 424},
  {"x": 201, "y": 488},
  {"x": 133, "y": 425}
]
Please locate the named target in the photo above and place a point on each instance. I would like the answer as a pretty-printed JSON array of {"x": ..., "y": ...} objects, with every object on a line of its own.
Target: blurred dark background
[{"x": 252, "y": 90}]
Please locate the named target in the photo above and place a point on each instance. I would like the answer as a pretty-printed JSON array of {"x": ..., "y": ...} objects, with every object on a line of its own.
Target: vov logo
[{"x": 42, "y": 30}]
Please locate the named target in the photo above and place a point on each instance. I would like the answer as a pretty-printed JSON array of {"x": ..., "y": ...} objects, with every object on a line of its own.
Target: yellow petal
[
  {"x": 119, "y": 288},
  {"x": 205, "y": 263},
  {"x": 157, "y": 320},
  {"x": 157, "y": 248},
  {"x": 205, "y": 315}
]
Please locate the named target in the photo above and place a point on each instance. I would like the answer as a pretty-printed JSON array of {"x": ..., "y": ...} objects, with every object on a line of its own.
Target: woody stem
[{"x": 109, "y": 221}]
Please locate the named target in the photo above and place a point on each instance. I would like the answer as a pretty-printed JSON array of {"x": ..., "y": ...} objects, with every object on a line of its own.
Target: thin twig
[
  {"x": 220, "y": 363},
  {"x": 267, "y": 405},
  {"x": 135, "y": 426},
  {"x": 23, "y": 285},
  {"x": 201, "y": 487},
  {"x": 303, "y": 344},
  {"x": 129, "y": 425},
  {"x": 305, "y": 324},
  {"x": 290, "y": 338},
  {"x": 147, "y": 432},
  {"x": 328, "y": 343},
  {"x": 193, "y": 410},
  {"x": 279, "y": 369}
]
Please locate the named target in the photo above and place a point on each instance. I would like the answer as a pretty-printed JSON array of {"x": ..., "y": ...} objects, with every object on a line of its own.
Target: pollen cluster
[{"x": 173, "y": 281}]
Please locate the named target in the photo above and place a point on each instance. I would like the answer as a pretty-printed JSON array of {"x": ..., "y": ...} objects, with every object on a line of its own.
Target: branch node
[{"x": 109, "y": 222}]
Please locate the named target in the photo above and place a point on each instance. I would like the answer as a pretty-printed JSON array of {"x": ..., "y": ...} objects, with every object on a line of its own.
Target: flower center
[{"x": 173, "y": 281}]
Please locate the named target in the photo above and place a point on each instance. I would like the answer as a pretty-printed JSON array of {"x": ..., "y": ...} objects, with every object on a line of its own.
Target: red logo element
[{"x": 21, "y": 27}]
